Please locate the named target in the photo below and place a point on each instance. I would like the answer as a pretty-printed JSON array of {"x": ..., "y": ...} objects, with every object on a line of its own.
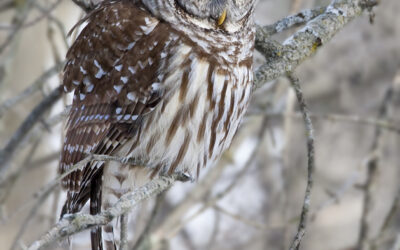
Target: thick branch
[{"x": 305, "y": 42}]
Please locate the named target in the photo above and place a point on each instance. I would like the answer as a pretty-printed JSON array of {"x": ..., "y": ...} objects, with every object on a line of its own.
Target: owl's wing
[{"x": 113, "y": 68}]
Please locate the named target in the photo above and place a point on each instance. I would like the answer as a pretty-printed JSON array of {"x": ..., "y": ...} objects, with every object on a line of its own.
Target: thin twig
[
  {"x": 372, "y": 166},
  {"x": 290, "y": 22},
  {"x": 311, "y": 162}
]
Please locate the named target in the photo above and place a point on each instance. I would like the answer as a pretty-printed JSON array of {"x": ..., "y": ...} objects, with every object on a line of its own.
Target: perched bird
[{"x": 164, "y": 81}]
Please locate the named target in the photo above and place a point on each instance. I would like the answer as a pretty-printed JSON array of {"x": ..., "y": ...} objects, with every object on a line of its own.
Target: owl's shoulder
[{"x": 118, "y": 51}]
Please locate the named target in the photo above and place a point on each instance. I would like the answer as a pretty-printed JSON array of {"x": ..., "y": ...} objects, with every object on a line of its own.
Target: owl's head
[{"x": 205, "y": 13}]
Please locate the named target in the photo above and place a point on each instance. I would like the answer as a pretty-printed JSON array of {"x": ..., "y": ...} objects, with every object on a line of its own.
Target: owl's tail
[
  {"x": 110, "y": 241},
  {"x": 103, "y": 237},
  {"x": 95, "y": 208}
]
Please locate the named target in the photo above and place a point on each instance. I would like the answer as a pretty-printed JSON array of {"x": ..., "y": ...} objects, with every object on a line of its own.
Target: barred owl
[{"x": 165, "y": 81}]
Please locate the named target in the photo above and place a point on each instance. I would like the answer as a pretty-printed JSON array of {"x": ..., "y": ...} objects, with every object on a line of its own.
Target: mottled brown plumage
[{"x": 152, "y": 79}]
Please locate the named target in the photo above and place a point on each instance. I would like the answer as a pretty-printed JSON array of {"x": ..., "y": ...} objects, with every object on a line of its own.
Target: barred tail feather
[
  {"x": 95, "y": 208},
  {"x": 109, "y": 238}
]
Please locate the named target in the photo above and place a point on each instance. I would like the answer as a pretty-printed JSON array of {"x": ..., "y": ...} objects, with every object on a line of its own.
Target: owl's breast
[{"x": 199, "y": 114}]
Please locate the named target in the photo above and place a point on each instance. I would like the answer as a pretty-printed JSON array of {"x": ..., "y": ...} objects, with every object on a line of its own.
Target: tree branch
[
  {"x": 307, "y": 40},
  {"x": 73, "y": 223},
  {"x": 289, "y": 22},
  {"x": 311, "y": 162}
]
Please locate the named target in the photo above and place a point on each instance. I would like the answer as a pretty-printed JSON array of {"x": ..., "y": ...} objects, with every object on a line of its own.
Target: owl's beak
[{"x": 222, "y": 18}]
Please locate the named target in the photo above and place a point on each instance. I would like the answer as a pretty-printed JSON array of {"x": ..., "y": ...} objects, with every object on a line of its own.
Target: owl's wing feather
[{"x": 113, "y": 69}]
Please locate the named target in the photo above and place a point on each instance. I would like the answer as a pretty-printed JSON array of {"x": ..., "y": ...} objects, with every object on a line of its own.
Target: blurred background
[{"x": 252, "y": 199}]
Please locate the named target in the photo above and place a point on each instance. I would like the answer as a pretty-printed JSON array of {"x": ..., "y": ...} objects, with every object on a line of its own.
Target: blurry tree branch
[
  {"x": 6, "y": 5},
  {"x": 46, "y": 13},
  {"x": 372, "y": 168},
  {"x": 19, "y": 18},
  {"x": 389, "y": 218}
]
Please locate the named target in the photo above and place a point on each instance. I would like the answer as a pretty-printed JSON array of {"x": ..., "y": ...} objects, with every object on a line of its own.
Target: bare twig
[
  {"x": 311, "y": 162},
  {"x": 71, "y": 224},
  {"x": 372, "y": 166},
  {"x": 289, "y": 22}
]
